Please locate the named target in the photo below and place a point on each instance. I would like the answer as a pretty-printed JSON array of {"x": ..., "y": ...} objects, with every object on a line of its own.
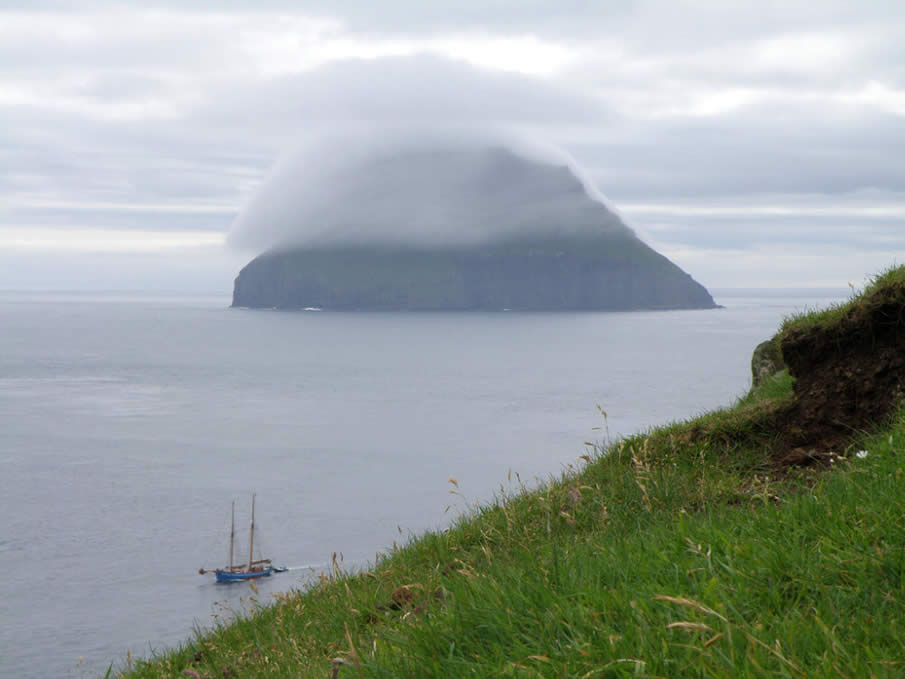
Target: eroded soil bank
[{"x": 849, "y": 375}]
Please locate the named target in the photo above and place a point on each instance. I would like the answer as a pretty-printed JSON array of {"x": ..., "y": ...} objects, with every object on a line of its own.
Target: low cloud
[{"x": 425, "y": 185}]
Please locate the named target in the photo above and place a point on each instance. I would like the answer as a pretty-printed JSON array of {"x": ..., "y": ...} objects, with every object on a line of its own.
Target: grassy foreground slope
[{"x": 744, "y": 543}]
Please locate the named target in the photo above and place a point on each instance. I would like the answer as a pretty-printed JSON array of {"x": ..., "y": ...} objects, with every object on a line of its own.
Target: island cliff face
[
  {"x": 605, "y": 274},
  {"x": 553, "y": 247}
]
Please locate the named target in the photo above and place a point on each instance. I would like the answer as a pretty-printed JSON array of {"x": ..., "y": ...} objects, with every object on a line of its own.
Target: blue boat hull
[{"x": 227, "y": 576}]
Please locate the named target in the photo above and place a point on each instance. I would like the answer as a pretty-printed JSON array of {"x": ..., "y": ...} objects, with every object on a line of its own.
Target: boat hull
[{"x": 228, "y": 576}]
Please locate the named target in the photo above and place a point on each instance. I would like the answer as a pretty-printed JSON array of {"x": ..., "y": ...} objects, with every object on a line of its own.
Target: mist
[{"x": 426, "y": 186}]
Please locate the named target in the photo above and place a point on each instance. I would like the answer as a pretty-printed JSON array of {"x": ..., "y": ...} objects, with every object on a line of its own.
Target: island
[{"x": 516, "y": 234}]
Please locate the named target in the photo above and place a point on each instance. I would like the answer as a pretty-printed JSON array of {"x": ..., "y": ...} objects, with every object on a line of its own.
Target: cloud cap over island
[{"x": 425, "y": 186}]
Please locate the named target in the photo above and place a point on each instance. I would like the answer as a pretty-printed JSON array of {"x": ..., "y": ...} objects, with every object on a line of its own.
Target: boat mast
[
  {"x": 251, "y": 542},
  {"x": 232, "y": 537}
]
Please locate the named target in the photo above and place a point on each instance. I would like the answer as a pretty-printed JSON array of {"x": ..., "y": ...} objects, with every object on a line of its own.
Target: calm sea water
[{"x": 128, "y": 424}]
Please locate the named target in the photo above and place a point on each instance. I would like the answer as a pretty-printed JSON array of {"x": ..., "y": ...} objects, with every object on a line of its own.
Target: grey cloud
[
  {"x": 122, "y": 45},
  {"x": 400, "y": 90},
  {"x": 121, "y": 85},
  {"x": 52, "y": 156},
  {"x": 664, "y": 22},
  {"x": 758, "y": 152},
  {"x": 739, "y": 233},
  {"x": 117, "y": 217}
]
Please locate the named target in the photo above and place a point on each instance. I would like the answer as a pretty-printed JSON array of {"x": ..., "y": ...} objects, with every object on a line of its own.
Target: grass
[
  {"x": 886, "y": 287},
  {"x": 658, "y": 558},
  {"x": 680, "y": 552}
]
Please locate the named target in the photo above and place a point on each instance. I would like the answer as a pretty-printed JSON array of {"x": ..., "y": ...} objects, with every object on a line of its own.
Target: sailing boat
[{"x": 243, "y": 571}]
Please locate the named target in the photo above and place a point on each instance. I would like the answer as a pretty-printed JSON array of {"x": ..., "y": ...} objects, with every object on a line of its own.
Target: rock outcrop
[{"x": 766, "y": 361}]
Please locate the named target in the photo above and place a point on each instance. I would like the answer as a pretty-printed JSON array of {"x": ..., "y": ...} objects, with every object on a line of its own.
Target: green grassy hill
[{"x": 763, "y": 540}]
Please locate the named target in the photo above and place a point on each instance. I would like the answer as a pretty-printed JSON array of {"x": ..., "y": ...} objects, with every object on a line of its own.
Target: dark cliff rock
[{"x": 603, "y": 273}]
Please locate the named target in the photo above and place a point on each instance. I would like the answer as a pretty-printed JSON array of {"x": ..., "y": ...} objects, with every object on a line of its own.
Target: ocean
[{"x": 129, "y": 423}]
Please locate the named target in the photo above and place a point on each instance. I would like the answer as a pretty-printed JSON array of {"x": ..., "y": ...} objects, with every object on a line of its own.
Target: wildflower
[{"x": 861, "y": 454}]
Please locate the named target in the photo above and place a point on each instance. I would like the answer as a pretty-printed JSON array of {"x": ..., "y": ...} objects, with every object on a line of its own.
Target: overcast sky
[{"x": 756, "y": 144}]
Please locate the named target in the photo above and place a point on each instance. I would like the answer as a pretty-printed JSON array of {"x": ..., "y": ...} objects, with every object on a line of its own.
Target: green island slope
[{"x": 763, "y": 540}]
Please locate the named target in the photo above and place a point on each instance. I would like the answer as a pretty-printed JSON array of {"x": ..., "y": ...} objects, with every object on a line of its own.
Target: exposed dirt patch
[{"x": 849, "y": 377}]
